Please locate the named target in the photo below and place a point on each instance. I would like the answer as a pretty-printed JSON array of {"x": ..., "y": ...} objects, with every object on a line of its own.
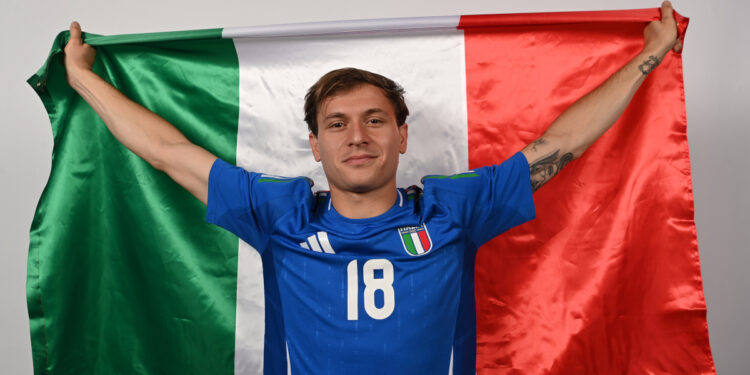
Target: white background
[{"x": 716, "y": 83}]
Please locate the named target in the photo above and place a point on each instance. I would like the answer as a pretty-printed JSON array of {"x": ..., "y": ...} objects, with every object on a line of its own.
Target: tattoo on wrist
[
  {"x": 648, "y": 65},
  {"x": 543, "y": 169}
]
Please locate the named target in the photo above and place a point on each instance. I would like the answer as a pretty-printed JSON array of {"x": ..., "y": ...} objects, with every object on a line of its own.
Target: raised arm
[
  {"x": 140, "y": 130},
  {"x": 589, "y": 117}
]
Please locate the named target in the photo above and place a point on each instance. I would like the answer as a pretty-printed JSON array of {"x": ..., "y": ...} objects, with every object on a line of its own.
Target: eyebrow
[
  {"x": 375, "y": 110},
  {"x": 367, "y": 113},
  {"x": 334, "y": 115}
]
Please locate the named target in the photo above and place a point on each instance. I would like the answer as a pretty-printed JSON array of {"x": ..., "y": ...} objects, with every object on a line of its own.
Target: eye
[
  {"x": 375, "y": 121},
  {"x": 336, "y": 125}
]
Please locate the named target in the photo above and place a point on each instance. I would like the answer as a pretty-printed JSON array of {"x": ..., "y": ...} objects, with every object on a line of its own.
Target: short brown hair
[{"x": 345, "y": 79}]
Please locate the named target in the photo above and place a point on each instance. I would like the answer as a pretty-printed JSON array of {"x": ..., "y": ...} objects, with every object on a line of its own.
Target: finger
[
  {"x": 75, "y": 31},
  {"x": 677, "y": 46},
  {"x": 666, "y": 12}
]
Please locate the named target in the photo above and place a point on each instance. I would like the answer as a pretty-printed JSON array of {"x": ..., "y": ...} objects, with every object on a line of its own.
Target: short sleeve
[
  {"x": 486, "y": 201},
  {"x": 251, "y": 205},
  {"x": 229, "y": 204}
]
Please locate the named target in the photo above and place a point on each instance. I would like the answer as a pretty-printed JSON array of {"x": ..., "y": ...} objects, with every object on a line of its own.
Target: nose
[{"x": 357, "y": 134}]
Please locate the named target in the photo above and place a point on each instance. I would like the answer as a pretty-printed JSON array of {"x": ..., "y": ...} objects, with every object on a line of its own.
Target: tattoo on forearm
[
  {"x": 541, "y": 170},
  {"x": 648, "y": 65},
  {"x": 538, "y": 142}
]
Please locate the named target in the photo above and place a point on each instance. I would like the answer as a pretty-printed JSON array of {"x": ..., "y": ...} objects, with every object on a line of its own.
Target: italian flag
[{"x": 124, "y": 275}]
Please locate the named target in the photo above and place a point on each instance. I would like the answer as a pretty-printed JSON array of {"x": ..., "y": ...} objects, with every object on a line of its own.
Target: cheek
[
  {"x": 327, "y": 149},
  {"x": 394, "y": 144}
]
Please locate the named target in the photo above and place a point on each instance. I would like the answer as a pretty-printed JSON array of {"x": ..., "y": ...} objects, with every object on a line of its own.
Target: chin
[
  {"x": 360, "y": 187},
  {"x": 360, "y": 181}
]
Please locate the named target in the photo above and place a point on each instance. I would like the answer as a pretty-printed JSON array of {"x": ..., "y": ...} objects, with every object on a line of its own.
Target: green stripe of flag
[
  {"x": 38, "y": 81},
  {"x": 135, "y": 281},
  {"x": 168, "y": 36},
  {"x": 409, "y": 243}
]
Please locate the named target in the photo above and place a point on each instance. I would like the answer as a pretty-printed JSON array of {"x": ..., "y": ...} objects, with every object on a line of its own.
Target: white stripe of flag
[
  {"x": 344, "y": 27},
  {"x": 417, "y": 242},
  {"x": 272, "y": 88}
]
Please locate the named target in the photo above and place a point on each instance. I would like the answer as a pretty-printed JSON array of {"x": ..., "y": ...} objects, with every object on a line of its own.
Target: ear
[
  {"x": 403, "y": 130},
  {"x": 314, "y": 147}
]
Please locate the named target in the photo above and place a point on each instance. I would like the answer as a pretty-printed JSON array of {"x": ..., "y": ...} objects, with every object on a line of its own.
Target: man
[{"x": 368, "y": 278}]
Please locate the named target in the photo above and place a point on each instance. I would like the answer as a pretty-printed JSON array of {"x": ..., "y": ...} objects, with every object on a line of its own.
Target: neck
[{"x": 364, "y": 205}]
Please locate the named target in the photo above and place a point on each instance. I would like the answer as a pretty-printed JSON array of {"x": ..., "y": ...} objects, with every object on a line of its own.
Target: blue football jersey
[{"x": 391, "y": 294}]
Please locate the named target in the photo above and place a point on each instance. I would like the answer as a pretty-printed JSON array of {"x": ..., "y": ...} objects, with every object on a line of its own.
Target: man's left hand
[{"x": 661, "y": 36}]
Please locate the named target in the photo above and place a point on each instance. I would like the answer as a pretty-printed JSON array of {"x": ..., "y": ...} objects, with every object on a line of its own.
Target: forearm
[
  {"x": 589, "y": 117},
  {"x": 137, "y": 128}
]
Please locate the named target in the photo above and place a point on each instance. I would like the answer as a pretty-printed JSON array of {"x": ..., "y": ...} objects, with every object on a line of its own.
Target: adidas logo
[{"x": 319, "y": 243}]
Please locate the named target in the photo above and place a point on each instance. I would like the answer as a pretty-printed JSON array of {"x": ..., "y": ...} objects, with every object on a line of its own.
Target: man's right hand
[{"x": 79, "y": 57}]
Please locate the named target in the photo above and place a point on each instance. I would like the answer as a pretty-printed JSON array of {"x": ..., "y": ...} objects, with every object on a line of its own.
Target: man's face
[{"x": 358, "y": 140}]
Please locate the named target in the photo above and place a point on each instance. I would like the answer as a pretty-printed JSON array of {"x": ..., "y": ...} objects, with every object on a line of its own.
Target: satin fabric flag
[{"x": 124, "y": 276}]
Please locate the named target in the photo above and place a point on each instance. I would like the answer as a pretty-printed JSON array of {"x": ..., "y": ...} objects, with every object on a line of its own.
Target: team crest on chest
[{"x": 416, "y": 240}]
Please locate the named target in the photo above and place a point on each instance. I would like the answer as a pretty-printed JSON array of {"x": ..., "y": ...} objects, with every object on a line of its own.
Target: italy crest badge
[{"x": 416, "y": 239}]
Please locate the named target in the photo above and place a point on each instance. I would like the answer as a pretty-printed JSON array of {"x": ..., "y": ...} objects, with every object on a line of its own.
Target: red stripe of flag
[
  {"x": 606, "y": 279},
  {"x": 555, "y": 18},
  {"x": 424, "y": 240}
]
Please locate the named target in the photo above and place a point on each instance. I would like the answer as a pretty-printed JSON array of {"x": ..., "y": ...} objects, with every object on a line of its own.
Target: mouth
[{"x": 355, "y": 160}]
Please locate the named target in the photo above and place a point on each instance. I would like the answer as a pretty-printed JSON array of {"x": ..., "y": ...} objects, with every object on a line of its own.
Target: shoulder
[
  {"x": 516, "y": 165},
  {"x": 259, "y": 187},
  {"x": 474, "y": 189},
  {"x": 443, "y": 186},
  {"x": 272, "y": 186}
]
